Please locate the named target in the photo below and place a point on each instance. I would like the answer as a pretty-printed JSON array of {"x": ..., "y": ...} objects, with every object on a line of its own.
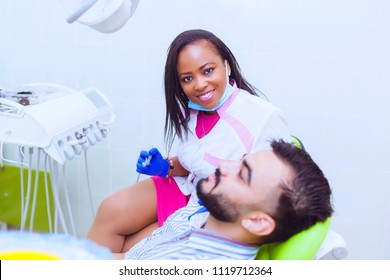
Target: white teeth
[{"x": 207, "y": 95}]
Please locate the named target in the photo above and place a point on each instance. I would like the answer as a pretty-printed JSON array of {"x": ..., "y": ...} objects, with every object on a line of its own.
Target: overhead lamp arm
[{"x": 80, "y": 11}]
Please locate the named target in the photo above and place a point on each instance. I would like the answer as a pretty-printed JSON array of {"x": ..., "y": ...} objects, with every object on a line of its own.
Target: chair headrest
[{"x": 301, "y": 246}]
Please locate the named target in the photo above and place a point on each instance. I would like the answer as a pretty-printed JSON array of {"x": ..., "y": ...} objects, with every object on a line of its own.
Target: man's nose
[{"x": 228, "y": 167}]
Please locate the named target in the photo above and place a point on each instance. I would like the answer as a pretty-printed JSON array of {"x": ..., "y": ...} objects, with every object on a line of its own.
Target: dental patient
[{"x": 267, "y": 196}]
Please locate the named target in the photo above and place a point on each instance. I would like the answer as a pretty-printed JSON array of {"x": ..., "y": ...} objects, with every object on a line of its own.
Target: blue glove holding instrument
[{"x": 152, "y": 163}]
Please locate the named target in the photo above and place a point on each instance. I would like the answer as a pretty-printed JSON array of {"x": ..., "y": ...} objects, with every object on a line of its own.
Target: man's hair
[{"x": 305, "y": 198}]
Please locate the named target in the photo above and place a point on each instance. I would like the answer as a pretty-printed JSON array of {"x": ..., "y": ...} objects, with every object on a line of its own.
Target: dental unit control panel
[{"x": 61, "y": 121}]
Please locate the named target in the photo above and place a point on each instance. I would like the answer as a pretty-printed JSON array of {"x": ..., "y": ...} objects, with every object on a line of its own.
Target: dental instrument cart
[{"x": 59, "y": 122}]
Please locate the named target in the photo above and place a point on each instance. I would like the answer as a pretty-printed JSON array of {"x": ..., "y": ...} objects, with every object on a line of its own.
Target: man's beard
[{"x": 219, "y": 206}]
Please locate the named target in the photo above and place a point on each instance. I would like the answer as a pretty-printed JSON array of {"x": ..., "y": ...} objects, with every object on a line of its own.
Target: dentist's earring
[{"x": 226, "y": 67}]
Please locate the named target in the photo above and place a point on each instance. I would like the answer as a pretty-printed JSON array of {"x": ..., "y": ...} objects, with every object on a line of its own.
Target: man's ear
[{"x": 258, "y": 223}]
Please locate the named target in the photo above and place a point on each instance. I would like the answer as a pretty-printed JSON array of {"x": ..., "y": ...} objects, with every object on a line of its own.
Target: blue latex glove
[{"x": 152, "y": 163}]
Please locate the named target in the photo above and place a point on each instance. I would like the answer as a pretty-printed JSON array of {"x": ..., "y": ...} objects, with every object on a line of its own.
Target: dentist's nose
[{"x": 200, "y": 83}]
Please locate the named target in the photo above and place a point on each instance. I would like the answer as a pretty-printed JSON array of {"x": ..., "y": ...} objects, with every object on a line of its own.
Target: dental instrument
[
  {"x": 147, "y": 161},
  {"x": 144, "y": 164}
]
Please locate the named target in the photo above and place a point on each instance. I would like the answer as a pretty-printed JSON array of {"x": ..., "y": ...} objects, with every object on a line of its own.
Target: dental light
[
  {"x": 105, "y": 16},
  {"x": 61, "y": 122}
]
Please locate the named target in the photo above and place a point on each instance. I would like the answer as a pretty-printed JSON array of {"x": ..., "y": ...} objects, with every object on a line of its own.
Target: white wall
[{"x": 325, "y": 63}]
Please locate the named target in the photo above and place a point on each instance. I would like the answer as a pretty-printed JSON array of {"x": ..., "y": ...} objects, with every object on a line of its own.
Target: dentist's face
[
  {"x": 202, "y": 73},
  {"x": 238, "y": 187}
]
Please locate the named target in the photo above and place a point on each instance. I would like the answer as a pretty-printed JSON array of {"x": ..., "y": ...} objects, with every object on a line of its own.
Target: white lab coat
[{"x": 247, "y": 124}]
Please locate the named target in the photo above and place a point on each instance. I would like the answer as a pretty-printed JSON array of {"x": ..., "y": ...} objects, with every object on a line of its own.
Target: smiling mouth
[{"x": 206, "y": 96}]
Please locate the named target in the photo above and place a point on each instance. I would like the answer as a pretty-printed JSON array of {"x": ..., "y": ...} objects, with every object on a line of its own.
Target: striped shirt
[{"x": 183, "y": 238}]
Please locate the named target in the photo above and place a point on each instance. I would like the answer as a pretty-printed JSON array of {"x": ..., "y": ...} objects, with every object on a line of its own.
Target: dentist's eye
[
  {"x": 208, "y": 71},
  {"x": 187, "y": 79}
]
